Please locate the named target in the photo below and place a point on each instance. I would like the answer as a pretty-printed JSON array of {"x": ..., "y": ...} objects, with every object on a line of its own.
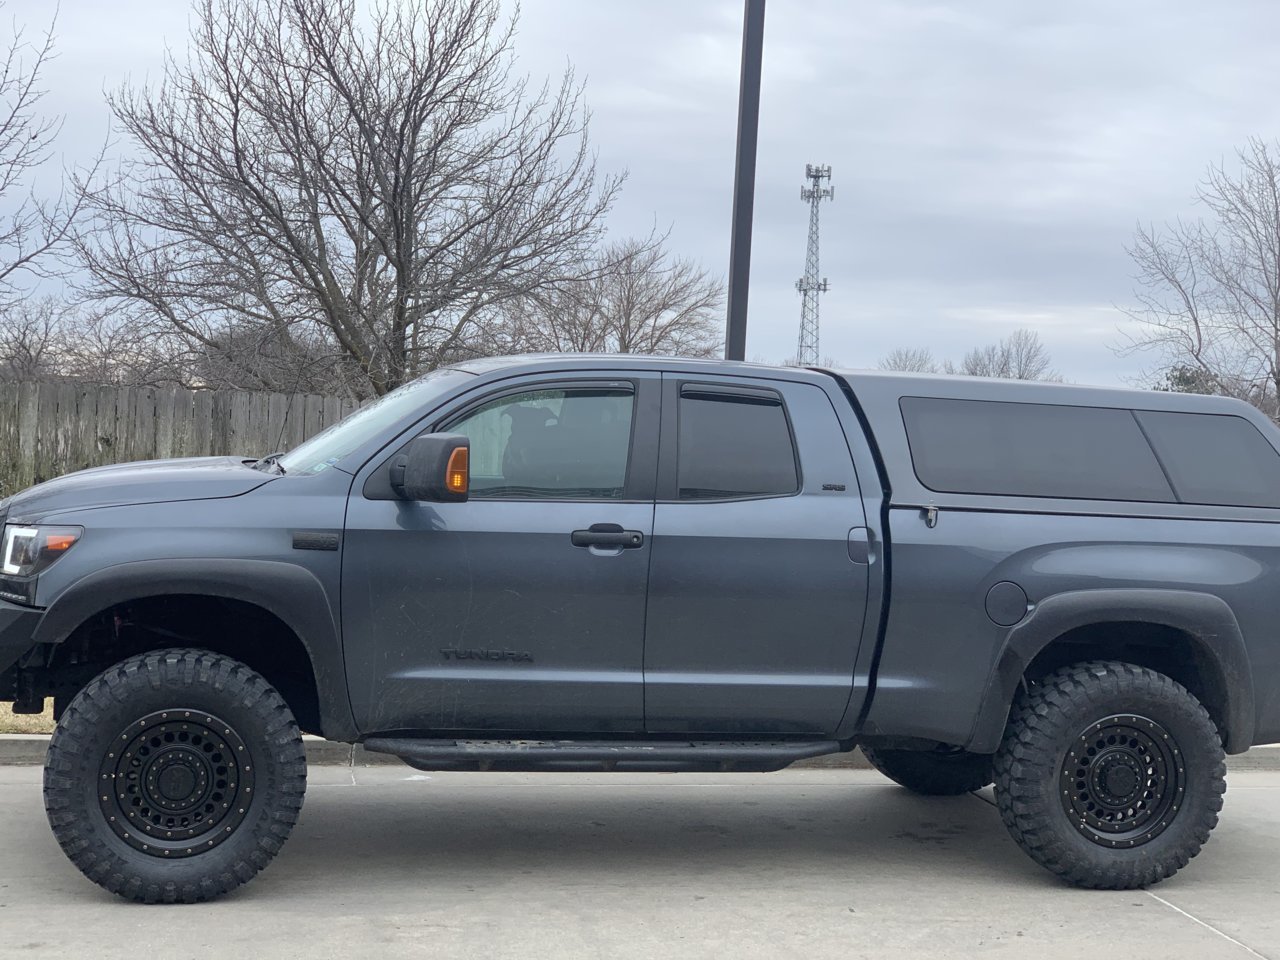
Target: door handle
[{"x": 607, "y": 535}]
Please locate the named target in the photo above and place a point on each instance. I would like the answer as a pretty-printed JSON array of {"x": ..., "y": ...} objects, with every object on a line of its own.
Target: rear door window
[
  {"x": 734, "y": 445},
  {"x": 1031, "y": 450},
  {"x": 1215, "y": 459}
]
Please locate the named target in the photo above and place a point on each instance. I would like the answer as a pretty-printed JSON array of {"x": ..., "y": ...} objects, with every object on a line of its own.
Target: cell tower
[{"x": 810, "y": 286}]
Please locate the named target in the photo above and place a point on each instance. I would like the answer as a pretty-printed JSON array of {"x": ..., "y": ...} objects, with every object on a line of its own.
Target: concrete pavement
[{"x": 390, "y": 863}]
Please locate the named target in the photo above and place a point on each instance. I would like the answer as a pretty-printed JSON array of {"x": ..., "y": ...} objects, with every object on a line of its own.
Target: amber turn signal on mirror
[{"x": 457, "y": 473}]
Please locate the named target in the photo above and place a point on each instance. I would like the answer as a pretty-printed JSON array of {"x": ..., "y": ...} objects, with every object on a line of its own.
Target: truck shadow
[{"x": 605, "y": 834}]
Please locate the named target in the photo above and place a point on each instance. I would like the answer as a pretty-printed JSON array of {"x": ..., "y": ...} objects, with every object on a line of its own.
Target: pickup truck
[{"x": 620, "y": 563}]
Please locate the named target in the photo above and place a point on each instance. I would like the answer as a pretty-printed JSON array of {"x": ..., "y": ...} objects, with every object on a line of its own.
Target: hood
[{"x": 148, "y": 481}]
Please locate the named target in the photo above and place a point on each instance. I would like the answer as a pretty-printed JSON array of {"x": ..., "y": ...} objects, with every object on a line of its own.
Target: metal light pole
[{"x": 744, "y": 180}]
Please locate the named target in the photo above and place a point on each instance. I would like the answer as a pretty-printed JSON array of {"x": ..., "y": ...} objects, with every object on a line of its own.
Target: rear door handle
[{"x": 607, "y": 535}]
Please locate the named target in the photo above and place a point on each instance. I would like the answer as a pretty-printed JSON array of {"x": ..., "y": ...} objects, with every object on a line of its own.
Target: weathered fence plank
[
  {"x": 202, "y": 424},
  {"x": 28, "y": 418},
  {"x": 8, "y": 424},
  {"x": 48, "y": 429},
  {"x": 164, "y": 422},
  {"x": 85, "y": 445}
]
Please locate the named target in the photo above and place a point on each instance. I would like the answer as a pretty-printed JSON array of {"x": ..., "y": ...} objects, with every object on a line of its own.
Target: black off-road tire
[
  {"x": 1110, "y": 775},
  {"x": 194, "y": 747},
  {"x": 945, "y": 772}
]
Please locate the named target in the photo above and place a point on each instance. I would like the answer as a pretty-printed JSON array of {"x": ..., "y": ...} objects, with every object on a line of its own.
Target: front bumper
[{"x": 17, "y": 627}]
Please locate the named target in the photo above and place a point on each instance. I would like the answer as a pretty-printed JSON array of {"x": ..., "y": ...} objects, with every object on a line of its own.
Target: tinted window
[
  {"x": 734, "y": 446},
  {"x": 1031, "y": 450},
  {"x": 550, "y": 444},
  {"x": 1215, "y": 459}
]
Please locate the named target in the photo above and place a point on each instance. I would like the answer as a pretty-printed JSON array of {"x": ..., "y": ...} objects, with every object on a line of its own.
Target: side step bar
[{"x": 662, "y": 756}]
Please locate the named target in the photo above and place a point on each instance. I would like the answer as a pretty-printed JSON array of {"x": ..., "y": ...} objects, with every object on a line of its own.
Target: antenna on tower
[{"x": 810, "y": 286}]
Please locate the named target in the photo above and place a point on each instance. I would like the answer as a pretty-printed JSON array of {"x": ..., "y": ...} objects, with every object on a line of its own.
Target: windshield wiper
[{"x": 271, "y": 460}]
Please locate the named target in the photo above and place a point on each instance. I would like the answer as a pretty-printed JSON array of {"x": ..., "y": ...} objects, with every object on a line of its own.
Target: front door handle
[{"x": 607, "y": 535}]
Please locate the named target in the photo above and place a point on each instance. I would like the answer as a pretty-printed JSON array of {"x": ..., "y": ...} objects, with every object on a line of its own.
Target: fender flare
[
  {"x": 286, "y": 590},
  {"x": 1205, "y": 618}
]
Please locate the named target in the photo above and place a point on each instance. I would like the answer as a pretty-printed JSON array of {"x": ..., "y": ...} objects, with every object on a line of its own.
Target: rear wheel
[
  {"x": 1110, "y": 775},
  {"x": 174, "y": 776},
  {"x": 942, "y": 772}
]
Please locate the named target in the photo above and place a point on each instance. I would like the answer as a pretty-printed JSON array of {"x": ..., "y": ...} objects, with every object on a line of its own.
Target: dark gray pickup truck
[{"x": 618, "y": 563}]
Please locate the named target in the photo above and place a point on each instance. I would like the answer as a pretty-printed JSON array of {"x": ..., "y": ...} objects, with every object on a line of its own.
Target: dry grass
[{"x": 26, "y": 722}]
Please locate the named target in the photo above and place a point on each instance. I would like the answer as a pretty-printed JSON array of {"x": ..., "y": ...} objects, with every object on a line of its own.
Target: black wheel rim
[
  {"x": 1122, "y": 781},
  {"x": 177, "y": 783}
]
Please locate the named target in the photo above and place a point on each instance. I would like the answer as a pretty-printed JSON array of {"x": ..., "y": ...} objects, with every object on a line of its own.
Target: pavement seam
[
  {"x": 1176, "y": 909},
  {"x": 1207, "y": 926}
]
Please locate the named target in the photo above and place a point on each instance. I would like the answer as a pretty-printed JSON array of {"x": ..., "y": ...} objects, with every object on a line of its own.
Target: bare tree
[
  {"x": 31, "y": 340},
  {"x": 33, "y": 230},
  {"x": 825, "y": 362},
  {"x": 296, "y": 358},
  {"x": 1208, "y": 296},
  {"x": 909, "y": 360},
  {"x": 636, "y": 299},
  {"x": 1019, "y": 356},
  {"x": 367, "y": 182},
  {"x": 96, "y": 347},
  {"x": 43, "y": 338}
]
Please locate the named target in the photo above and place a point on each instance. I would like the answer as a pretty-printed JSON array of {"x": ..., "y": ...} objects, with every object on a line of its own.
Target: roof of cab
[
  {"x": 534, "y": 362},
  {"x": 880, "y": 385}
]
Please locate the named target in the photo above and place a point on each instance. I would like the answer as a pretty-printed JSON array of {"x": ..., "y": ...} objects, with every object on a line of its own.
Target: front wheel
[
  {"x": 174, "y": 776},
  {"x": 1110, "y": 775}
]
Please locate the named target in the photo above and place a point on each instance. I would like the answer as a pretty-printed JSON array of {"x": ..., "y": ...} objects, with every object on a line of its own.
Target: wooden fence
[{"x": 47, "y": 429}]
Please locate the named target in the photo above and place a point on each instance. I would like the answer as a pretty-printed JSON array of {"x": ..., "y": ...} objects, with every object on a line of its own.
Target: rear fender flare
[{"x": 1205, "y": 618}]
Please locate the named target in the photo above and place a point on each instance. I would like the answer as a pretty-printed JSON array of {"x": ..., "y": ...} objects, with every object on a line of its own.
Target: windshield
[{"x": 332, "y": 444}]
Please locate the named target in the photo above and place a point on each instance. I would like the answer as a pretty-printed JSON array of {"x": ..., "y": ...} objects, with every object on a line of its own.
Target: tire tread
[
  {"x": 69, "y": 746},
  {"x": 1038, "y": 723}
]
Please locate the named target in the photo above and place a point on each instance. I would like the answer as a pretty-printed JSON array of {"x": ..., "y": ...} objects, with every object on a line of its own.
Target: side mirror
[{"x": 434, "y": 466}]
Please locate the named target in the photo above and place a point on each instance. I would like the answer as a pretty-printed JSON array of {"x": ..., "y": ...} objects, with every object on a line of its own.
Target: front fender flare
[
  {"x": 290, "y": 592},
  {"x": 1206, "y": 618}
]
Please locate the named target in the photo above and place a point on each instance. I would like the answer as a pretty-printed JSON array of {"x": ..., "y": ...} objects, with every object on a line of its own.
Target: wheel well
[
  {"x": 235, "y": 628},
  {"x": 1158, "y": 647}
]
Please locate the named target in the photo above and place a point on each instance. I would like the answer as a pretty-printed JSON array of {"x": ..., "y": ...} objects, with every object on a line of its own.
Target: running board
[{"x": 661, "y": 756}]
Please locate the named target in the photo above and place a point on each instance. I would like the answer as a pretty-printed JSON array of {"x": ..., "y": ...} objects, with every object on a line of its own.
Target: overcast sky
[{"x": 990, "y": 158}]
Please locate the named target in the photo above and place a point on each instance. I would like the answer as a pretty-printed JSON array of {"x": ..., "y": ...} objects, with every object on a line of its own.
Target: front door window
[{"x": 569, "y": 444}]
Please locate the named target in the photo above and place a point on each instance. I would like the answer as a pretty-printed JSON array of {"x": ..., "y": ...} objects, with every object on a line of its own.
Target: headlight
[{"x": 26, "y": 551}]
